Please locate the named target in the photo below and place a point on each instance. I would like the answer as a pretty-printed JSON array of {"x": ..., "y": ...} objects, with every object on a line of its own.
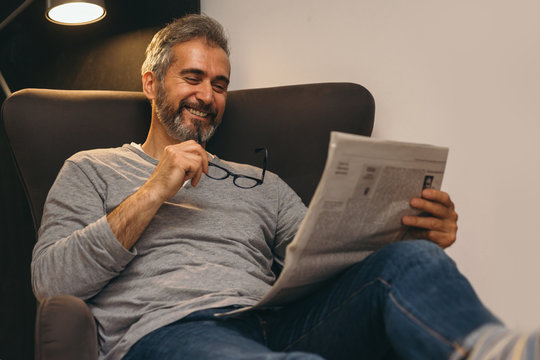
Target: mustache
[{"x": 207, "y": 108}]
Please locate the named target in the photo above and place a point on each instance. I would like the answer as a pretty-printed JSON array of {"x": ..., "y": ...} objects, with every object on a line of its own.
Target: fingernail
[{"x": 426, "y": 192}]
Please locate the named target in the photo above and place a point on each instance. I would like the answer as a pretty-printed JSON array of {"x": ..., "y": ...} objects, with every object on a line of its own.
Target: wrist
[{"x": 151, "y": 195}]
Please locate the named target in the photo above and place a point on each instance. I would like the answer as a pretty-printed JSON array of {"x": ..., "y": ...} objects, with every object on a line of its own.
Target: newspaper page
[{"x": 357, "y": 208}]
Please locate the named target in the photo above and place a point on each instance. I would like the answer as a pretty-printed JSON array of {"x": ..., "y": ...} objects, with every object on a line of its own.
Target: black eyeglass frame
[{"x": 238, "y": 176}]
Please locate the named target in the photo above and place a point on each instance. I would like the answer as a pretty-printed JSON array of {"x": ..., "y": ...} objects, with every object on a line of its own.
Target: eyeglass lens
[{"x": 218, "y": 172}]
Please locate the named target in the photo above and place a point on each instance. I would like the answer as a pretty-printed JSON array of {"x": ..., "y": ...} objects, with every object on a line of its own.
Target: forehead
[{"x": 198, "y": 54}]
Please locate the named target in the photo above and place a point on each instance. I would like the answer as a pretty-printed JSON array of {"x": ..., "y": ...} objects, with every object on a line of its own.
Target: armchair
[{"x": 44, "y": 127}]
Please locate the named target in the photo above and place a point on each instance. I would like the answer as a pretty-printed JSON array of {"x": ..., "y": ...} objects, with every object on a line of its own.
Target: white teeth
[{"x": 197, "y": 112}]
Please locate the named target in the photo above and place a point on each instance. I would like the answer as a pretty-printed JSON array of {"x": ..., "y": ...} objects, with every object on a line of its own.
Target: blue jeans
[{"x": 405, "y": 301}]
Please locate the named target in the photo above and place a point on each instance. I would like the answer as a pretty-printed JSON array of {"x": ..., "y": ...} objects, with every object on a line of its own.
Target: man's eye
[
  {"x": 219, "y": 88},
  {"x": 192, "y": 80}
]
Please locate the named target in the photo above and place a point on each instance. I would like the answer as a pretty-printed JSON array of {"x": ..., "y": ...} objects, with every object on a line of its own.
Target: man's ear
[{"x": 150, "y": 85}]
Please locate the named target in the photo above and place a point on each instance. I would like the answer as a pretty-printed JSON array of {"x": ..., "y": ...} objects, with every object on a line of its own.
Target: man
[{"x": 157, "y": 244}]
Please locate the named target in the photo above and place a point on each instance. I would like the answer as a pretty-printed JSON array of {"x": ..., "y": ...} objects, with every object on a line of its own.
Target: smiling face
[{"x": 191, "y": 98}]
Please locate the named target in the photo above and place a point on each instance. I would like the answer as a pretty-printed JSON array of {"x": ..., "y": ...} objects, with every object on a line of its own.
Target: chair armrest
[{"x": 65, "y": 329}]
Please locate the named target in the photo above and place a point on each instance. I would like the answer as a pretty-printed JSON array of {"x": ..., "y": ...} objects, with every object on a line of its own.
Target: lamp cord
[
  {"x": 15, "y": 12},
  {"x": 3, "y": 24}
]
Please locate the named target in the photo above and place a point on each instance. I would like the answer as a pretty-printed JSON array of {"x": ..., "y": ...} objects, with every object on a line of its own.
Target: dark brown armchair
[{"x": 44, "y": 127}]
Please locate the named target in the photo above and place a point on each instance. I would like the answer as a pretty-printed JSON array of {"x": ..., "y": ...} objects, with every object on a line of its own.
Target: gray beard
[{"x": 174, "y": 121}]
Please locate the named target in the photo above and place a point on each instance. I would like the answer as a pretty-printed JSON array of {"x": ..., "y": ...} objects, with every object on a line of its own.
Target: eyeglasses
[{"x": 217, "y": 172}]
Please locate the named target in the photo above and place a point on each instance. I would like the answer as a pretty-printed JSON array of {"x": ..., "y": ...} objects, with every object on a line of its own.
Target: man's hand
[
  {"x": 440, "y": 226},
  {"x": 177, "y": 163}
]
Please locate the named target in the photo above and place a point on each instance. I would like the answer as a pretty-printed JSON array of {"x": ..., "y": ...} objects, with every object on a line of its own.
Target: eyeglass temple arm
[{"x": 264, "y": 160}]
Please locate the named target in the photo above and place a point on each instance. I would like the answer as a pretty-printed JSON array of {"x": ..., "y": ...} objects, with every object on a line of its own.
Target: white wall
[{"x": 464, "y": 74}]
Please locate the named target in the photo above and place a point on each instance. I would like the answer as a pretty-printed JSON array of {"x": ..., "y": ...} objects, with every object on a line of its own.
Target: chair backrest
[{"x": 44, "y": 127}]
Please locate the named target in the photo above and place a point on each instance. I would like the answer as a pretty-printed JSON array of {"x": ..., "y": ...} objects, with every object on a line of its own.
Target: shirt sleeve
[
  {"x": 291, "y": 212},
  {"x": 77, "y": 252}
]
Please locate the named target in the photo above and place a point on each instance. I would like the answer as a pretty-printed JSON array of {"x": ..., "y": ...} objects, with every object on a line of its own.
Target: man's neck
[{"x": 158, "y": 139}]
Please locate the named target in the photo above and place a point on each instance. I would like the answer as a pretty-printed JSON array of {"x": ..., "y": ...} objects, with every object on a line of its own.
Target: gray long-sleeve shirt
[{"x": 208, "y": 246}]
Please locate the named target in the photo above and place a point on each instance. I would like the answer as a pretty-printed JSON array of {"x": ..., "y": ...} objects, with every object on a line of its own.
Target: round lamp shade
[{"x": 75, "y": 12}]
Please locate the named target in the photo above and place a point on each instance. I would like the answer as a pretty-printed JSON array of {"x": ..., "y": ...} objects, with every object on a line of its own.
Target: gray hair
[{"x": 190, "y": 27}]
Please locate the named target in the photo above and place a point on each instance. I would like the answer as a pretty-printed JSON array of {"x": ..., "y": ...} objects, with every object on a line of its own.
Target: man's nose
[{"x": 205, "y": 93}]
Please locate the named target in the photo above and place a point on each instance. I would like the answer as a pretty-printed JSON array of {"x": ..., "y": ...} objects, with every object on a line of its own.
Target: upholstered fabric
[{"x": 65, "y": 330}]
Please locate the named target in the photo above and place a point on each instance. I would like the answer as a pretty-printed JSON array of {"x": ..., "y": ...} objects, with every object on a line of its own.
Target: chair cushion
[{"x": 65, "y": 329}]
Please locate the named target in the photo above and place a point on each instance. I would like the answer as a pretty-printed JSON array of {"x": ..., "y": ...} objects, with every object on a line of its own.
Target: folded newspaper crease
[{"x": 357, "y": 208}]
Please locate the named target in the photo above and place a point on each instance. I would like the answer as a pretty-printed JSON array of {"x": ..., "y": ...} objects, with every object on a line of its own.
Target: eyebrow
[{"x": 202, "y": 73}]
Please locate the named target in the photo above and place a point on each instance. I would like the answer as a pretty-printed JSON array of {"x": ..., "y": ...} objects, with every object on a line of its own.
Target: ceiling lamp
[{"x": 75, "y": 12}]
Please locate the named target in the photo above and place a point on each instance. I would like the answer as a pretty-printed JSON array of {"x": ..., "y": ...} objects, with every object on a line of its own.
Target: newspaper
[{"x": 357, "y": 208}]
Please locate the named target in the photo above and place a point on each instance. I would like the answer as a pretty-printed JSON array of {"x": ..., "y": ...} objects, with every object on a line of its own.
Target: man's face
[{"x": 191, "y": 98}]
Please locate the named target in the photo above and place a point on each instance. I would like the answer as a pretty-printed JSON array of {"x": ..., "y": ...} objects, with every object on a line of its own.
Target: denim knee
[
  {"x": 412, "y": 247},
  {"x": 407, "y": 254}
]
